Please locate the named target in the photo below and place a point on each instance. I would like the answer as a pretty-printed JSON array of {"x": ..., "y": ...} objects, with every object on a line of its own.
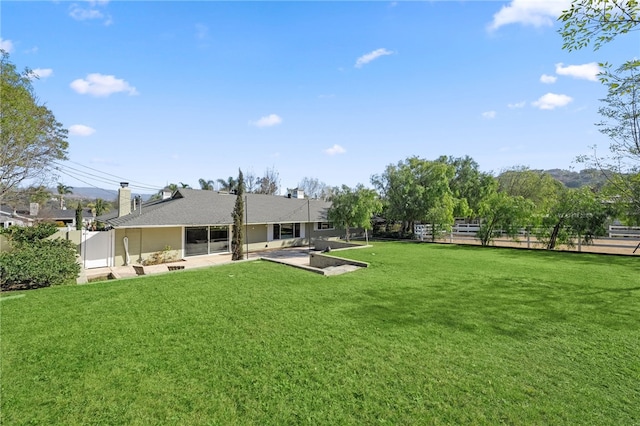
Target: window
[
  {"x": 201, "y": 240},
  {"x": 324, "y": 226},
  {"x": 282, "y": 231}
]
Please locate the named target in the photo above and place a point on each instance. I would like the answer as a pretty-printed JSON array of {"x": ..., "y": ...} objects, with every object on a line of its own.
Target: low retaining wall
[
  {"x": 321, "y": 245},
  {"x": 320, "y": 261}
]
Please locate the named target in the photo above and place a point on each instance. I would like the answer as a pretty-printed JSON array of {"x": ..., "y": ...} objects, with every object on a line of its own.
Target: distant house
[
  {"x": 9, "y": 216},
  {"x": 65, "y": 216},
  {"x": 193, "y": 222}
]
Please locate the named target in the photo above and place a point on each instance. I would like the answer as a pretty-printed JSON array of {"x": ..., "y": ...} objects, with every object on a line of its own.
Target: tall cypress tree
[
  {"x": 237, "y": 240},
  {"x": 79, "y": 216}
]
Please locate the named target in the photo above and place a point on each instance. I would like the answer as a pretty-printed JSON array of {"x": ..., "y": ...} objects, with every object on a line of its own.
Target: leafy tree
[
  {"x": 577, "y": 214},
  {"x": 38, "y": 194},
  {"x": 503, "y": 214},
  {"x": 185, "y": 185},
  {"x": 621, "y": 124},
  {"x": 417, "y": 190},
  {"x": 62, "y": 191},
  {"x": 237, "y": 239},
  {"x": 79, "y": 216},
  {"x": 31, "y": 139},
  {"x": 29, "y": 234},
  {"x": 353, "y": 208},
  {"x": 470, "y": 186},
  {"x": 534, "y": 185},
  {"x": 228, "y": 185},
  {"x": 100, "y": 207},
  {"x": 207, "y": 185},
  {"x": 597, "y": 22}
]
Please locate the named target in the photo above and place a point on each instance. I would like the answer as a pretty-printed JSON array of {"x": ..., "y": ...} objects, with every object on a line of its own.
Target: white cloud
[
  {"x": 517, "y": 105},
  {"x": 366, "y": 58},
  {"x": 335, "y": 149},
  {"x": 6, "y": 45},
  {"x": 588, "y": 71},
  {"x": 536, "y": 13},
  {"x": 552, "y": 101},
  {"x": 102, "y": 85},
  {"x": 81, "y": 13},
  {"x": 489, "y": 115},
  {"x": 42, "y": 72},
  {"x": 548, "y": 79},
  {"x": 81, "y": 130},
  {"x": 267, "y": 121}
]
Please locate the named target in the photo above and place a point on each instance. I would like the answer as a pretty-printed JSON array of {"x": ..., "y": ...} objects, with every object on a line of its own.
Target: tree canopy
[
  {"x": 597, "y": 22},
  {"x": 353, "y": 207},
  {"x": 31, "y": 139}
]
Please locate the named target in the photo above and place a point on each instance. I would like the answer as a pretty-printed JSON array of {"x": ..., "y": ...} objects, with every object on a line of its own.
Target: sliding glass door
[{"x": 201, "y": 240}]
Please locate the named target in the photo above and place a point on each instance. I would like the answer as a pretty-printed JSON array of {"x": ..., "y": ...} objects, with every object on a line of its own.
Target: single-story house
[{"x": 192, "y": 222}]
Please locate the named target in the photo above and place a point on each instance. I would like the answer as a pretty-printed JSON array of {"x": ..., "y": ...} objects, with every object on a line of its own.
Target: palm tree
[
  {"x": 228, "y": 185},
  {"x": 99, "y": 207},
  {"x": 62, "y": 191},
  {"x": 207, "y": 185},
  {"x": 185, "y": 185}
]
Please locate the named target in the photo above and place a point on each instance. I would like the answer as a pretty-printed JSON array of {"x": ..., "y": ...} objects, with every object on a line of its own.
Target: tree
[
  {"x": 314, "y": 188},
  {"x": 31, "y": 139},
  {"x": 99, "y": 207},
  {"x": 353, "y": 208},
  {"x": 597, "y": 22},
  {"x": 228, "y": 185},
  {"x": 503, "y": 214},
  {"x": 534, "y": 185},
  {"x": 206, "y": 185},
  {"x": 79, "y": 216},
  {"x": 577, "y": 214},
  {"x": 417, "y": 190},
  {"x": 270, "y": 183},
  {"x": 621, "y": 124},
  {"x": 185, "y": 185},
  {"x": 469, "y": 186},
  {"x": 62, "y": 191},
  {"x": 250, "y": 182},
  {"x": 237, "y": 239}
]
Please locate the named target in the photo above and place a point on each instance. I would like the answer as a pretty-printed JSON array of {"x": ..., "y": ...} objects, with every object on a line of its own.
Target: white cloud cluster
[
  {"x": 101, "y": 85},
  {"x": 489, "y": 115},
  {"x": 368, "y": 57},
  {"x": 267, "y": 121},
  {"x": 335, "y": 149},
  {"x": 6, "y": 45},
  {"x": 548, "y": 79},
  {"x": 81, "y": 130},
  {"x": 588, "y": 71},
  {"x": 42, "y": 72},
  {"x": 536, "y": 13},
  {"x": 90, "y": 10},
  {"x": 517, "y": 105},
  {"x": 552, "y": 101}
]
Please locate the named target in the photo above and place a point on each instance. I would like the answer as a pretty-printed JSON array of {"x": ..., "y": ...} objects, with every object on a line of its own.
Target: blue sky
[{"x": 162, "y": 92}]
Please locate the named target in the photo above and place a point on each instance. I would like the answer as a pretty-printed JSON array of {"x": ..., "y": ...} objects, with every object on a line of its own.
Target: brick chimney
[{"x": 124, "y": 199}]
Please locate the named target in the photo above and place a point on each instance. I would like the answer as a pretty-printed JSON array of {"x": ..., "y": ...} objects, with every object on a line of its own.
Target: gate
[{"x": 96, "y": 249}]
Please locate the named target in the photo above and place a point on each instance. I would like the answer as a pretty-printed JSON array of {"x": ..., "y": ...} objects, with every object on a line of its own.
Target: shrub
[
  {"x": 39, "y": 263},
  {"x": 25, "y": 234}
]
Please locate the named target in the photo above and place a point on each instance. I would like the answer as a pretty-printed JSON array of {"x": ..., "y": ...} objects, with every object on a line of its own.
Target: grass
[{"x": 429, "y": 334}]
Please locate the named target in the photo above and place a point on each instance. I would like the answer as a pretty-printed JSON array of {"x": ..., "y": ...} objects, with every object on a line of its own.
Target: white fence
[{"x": 622, "y": 239}]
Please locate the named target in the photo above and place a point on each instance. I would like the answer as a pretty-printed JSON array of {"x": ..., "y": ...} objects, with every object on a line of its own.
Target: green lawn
[{"x": 429, "y": 334}]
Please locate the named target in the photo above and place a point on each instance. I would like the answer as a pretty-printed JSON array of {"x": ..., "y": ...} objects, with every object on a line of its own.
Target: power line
[{"x": 121, "y": 179}]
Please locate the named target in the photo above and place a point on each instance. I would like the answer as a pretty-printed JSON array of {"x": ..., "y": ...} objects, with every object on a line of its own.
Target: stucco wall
[{"x": 144, "y": 242}]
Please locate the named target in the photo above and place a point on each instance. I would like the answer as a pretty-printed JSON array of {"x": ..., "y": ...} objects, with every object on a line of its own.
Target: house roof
[{"x": 192, "y": 207}]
